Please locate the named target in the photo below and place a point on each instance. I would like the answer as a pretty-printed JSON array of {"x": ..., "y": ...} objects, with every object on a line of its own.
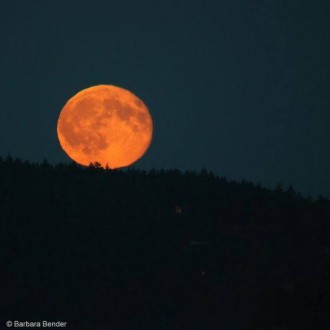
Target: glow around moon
[{"x": 105, "y": 124}]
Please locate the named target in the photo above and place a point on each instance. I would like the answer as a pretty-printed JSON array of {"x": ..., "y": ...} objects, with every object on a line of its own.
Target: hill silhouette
[{"x": 130, "y": 249}]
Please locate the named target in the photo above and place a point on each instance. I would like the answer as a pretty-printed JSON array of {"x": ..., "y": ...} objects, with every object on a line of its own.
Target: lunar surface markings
[{"x": 107, "y": 124}]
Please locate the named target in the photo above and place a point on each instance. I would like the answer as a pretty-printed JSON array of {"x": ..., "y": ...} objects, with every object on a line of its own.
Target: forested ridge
[{"x": 131, "y": 249}]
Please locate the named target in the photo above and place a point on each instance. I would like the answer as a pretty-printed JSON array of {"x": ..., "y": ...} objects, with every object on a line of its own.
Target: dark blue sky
[{"x": 238, "y": 87}]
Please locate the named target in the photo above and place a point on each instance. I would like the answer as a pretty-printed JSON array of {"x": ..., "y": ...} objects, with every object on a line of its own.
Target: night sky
[{"x": 238, "y": 87}]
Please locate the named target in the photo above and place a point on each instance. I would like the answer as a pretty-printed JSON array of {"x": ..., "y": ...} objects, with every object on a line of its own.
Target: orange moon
[{"x": 105, "y": 124}]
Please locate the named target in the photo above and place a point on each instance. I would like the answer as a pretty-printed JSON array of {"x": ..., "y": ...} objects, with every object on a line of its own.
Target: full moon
[{"x": 105, "y": 124}]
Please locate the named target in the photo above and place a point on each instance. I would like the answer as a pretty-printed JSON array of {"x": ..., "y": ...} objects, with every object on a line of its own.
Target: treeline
[{"x": 131, "y": 249}]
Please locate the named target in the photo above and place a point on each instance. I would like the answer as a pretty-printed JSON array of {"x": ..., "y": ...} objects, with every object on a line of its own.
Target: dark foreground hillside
[{"x": 160, "y": 250}]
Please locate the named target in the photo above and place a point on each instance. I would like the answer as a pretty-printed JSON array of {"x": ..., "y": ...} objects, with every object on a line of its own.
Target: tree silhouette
[
  {"x": 95, "y": 165},
  {"x": 94, "y": 246}
]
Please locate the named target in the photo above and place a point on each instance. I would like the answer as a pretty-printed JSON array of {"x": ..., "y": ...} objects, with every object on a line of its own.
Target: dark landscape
[{"x": 163, "y": 249}]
